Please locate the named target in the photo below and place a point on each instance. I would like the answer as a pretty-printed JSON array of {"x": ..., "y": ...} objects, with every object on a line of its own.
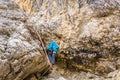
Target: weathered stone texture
[
  {"x": 89, "y": 31},
  {"x": 20, "y": 54}
]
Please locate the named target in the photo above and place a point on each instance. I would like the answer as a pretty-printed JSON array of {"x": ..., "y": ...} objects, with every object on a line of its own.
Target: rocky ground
[
  {"x": 89, "y": 31},
  {"x": 63, "y": 74}
]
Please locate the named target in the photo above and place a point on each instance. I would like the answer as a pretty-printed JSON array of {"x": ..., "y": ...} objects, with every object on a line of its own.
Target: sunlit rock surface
[{"x": 89, "y": 31}]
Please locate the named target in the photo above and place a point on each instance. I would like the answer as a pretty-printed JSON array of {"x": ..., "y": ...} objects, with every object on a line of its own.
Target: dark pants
[{"x": 51, "y": 57}]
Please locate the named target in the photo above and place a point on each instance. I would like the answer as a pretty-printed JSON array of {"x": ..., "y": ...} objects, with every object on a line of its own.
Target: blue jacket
[{"x": 53, "y": 46}]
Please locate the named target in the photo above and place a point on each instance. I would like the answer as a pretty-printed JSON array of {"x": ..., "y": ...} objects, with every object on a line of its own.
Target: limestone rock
[
  {"x": 89, "y": 31},
  {"x": 20, "y": 55},
  {"x": 84, "y": 26}
]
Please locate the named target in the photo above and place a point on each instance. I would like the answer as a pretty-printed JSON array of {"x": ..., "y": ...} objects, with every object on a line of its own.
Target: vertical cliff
[
  {"x": 20, "y": 54},
  {"x": 89, "y": 31}
]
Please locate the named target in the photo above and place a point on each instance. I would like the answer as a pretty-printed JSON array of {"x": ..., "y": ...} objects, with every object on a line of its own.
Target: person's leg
[
  {"x": 53, "y": 59},
  {"x": 50, "y": 57}
]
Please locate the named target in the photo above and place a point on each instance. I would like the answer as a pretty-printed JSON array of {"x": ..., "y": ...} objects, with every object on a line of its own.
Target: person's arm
[
  {"x": 49, "y": 47},
  {"x": 55, "y": 49}
]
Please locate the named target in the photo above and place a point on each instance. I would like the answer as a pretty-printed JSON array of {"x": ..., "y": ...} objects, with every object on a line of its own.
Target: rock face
[
  {"x": 89, "y": 31},
  {"x": 20, "y": 54}
]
